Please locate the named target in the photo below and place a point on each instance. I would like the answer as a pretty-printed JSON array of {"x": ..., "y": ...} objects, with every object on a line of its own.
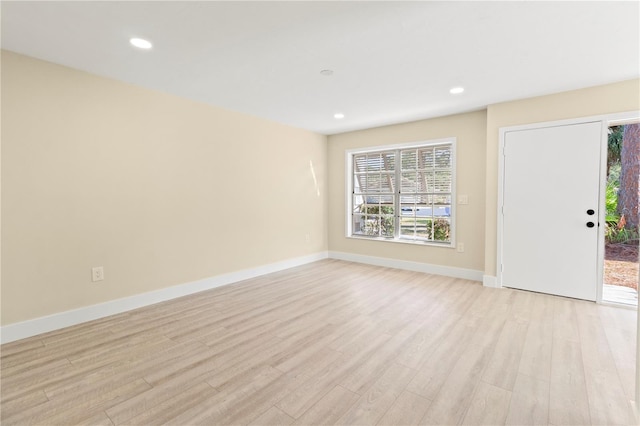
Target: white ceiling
[{"x": 392, "y": 61}]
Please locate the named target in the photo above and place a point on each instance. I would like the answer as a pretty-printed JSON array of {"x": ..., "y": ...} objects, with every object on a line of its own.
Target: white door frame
[{"x": 606, "y": 120}]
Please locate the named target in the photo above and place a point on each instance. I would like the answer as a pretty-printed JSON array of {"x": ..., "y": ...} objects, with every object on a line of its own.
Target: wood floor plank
[
  {"x": 152, "y": 346},
  {"x": 81, "y": 407},
  {"x": 505, "y": 360},
  {"x": 100, "y": 419},
  {"x": 432, "y": 376},
  {"x": 230, "y": 372},
  {"x": 218, "y": 365},
  {"x": 87, "y": 378},
  {"x": 420, "y": 347},
  {"x": 566, "y": 361},
  {"x": 147, "y": 405},
  {"x": 608, "y": 404},
  {"x": 56, "y": 367},
  {"x": 18, "y": 385},
  {"x": 565, "y": 325},
  {"x": 302, "y": 359},
  {"x": 622, "y": 346},
  {"x": 522, "y": 306},
  {"x": 19, "y": 347},
  {"x": 569, "y": 404},
  {"x": 271, "y": 354},
  {"x": 489, "y": 329},
  {"x": 243, "y": 405},
  {"x": 146, "y": 409},
  {"x": 308, "y": 341},
  {"x": 452, "y": 401},
  {"x": 489, "y": 406},
  {"x": 375, "y": 402},
  {"x": 273, "y": 417},
  {"x": 15, "y": 406},
  {"x": 621, "y": 319},
  {"x": 117, "y": 346},
  {"x": 596, "y": 353},
  {"x": 407, "y": 410},
  {"x": 529, "y": 403},
  {"x": 535, "y": 359},
  {"x": 203, "y": 331},
  {"x": 319, "y": 384},
  {"x": 362, "y": 377},
  {"x": 329, "y": 408},
  {"x": 82, "y": 337},
  {"x": 542, "y": 309},
  {"x": 355, "y": 336},
  {"x": 332, "y": 342},
  {"x": 17, "y": 363},
  {"x": 218, "y": 404}
]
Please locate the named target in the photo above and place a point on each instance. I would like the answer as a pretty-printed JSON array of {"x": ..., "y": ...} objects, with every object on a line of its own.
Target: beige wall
[
  {"x": 470, "y": 131},
  {"x": 599, "y": 100},
  {"x": 157, "y": 189}
]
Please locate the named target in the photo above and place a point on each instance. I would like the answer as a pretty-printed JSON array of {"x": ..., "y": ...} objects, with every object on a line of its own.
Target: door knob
[
  {"x": 590, "y": 212},
  {"x": 590, "y": 224}
]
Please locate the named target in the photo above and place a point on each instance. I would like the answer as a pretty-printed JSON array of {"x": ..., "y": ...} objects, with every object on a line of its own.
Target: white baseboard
[
  {"x": 21, "y": 330},
  {"x": 468, "y": 274},
  {"x": 490, "y": 281}
]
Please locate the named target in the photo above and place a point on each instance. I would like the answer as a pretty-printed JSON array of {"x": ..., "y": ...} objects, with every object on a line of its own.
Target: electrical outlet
[
  {"x": 308, "y": 238},
  {"x": 97, "y": 273},
  {"x": 460, "y": 247},
  {"x": 463, "y": 199}
]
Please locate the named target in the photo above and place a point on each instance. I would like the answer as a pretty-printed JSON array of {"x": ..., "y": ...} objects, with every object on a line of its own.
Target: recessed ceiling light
[
  {"x": 338, "y": 115},
  {"x": 140, "y": 43},
  {"x": 326, "y": 73},
  {"x": 456, "y": 90}
]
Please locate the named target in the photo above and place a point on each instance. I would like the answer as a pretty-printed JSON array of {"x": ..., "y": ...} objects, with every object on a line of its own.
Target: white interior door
[{"x": 550, "y": 209}]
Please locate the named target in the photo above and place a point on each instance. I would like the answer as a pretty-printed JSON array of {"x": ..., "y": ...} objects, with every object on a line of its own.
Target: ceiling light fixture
[
  {"x": 140, "y": 43},
  {"x": 326, "y": 73},
  {"x": 338, "y": 115},
  {"x": 456, "y": 90}
]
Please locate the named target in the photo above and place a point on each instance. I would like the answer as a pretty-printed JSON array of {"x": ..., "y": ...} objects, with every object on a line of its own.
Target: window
[{"x": 403, "y": 193}]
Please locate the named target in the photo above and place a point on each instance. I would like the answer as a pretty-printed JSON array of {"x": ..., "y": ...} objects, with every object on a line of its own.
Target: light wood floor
[{"x": 332, "y": 343}]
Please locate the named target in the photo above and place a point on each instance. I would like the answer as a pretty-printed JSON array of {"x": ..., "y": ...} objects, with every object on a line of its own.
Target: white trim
[
  {"x": 21, "y": 330},
  {"x": 449, "y": 271},
  {"x": 618, "y": 305},
  {"x": 414, "y": 242},
  {"x": 602, "y": 209},
  {"x": 615, "y": 119},
  {"x": 490, "y": 281},
  {"x": 405, "y": 145}
]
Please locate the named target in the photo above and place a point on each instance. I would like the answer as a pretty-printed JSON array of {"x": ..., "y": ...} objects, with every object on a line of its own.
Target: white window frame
[{"x": 349, "y": 173}]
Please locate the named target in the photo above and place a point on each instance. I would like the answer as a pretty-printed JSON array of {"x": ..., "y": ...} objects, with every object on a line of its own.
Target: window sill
[{"x": 449, "y": 245}]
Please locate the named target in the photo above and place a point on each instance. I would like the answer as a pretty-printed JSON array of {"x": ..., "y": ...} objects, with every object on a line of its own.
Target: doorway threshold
[{"x": 619, "y": 295}]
